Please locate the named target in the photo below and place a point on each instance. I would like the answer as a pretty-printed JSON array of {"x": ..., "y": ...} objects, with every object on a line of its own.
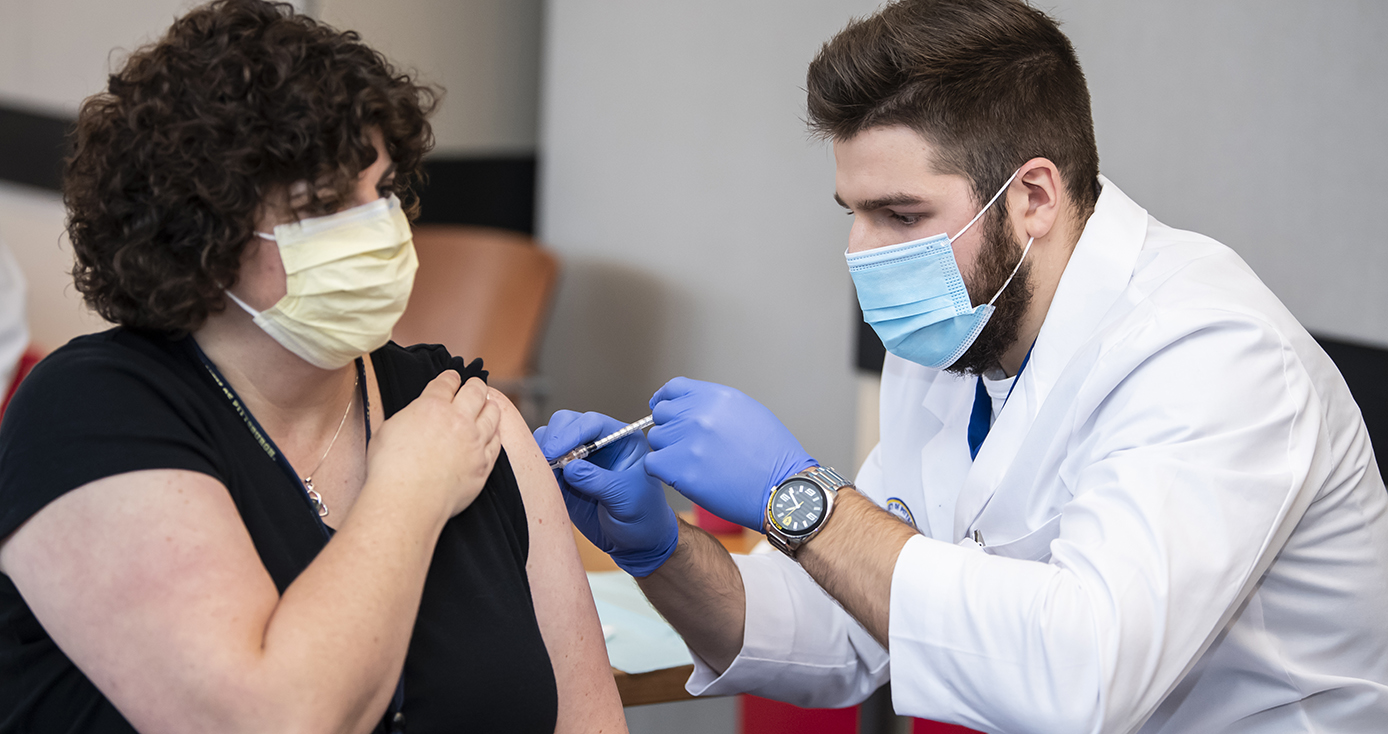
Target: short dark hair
[
  {"x": 990, "y": 84},
  {"x": 174, "y": 162}
]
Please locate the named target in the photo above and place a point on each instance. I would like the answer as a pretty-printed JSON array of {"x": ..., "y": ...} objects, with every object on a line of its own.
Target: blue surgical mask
[{"x": 913, "y": 296}]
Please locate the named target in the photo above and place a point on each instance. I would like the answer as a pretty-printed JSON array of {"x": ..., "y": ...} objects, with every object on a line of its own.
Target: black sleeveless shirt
[{"x": 123, "y": 401}]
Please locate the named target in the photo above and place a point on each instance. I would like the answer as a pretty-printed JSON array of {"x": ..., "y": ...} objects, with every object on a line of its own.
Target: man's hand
[
  {"x": 610, "y": 498},
  {"x": 721, "y": 449}
]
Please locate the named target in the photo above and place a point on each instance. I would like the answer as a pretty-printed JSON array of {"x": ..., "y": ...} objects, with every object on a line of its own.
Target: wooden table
[
  {"x": 875, "y": 715},
  {"x": 657, "y": 686}
]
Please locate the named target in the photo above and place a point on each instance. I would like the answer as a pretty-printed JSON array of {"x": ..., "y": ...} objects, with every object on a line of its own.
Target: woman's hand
[{"x": 445, "y": 442}]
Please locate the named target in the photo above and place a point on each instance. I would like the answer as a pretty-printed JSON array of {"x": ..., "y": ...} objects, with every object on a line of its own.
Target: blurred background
[{"x": 658, "y": 150}]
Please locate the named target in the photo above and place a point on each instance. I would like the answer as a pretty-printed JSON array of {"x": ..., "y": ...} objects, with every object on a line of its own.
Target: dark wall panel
[
  {"x": 1365, "y": 369},
  {"x": 32, "y": 147},
  {"x": 492, "y": 191}
]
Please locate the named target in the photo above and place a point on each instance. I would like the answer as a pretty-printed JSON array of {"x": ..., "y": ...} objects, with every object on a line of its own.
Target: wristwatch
[{"x": 800, "y": 506}]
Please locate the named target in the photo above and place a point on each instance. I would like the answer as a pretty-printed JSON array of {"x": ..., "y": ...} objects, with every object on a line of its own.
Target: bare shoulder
[
  {"x": 520, "y": 445},
  {"x": 511, "y": 420}
]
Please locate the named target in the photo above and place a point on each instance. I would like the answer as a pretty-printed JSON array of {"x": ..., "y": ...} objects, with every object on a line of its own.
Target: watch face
[{"x": 797, "y": 507}]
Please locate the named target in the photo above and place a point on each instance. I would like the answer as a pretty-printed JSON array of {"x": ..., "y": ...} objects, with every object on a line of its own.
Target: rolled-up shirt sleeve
[{"x": 799, "y": 645}]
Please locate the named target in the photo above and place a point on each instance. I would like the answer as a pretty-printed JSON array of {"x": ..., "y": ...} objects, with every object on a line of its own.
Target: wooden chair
[{"x": 483, "y": 292}]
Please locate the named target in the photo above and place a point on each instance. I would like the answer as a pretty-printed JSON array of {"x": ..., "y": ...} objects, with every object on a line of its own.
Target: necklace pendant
[{"x": 315, "y": 498}]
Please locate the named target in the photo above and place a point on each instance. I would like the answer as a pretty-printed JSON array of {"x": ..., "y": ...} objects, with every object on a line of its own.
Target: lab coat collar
[{"x": 1099, "y": 270}]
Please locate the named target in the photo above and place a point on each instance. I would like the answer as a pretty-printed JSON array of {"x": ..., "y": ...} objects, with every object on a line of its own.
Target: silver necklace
[{"x": 313, "y": 495}]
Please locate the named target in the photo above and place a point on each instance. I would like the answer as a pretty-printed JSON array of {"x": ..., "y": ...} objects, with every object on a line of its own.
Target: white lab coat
[{"x": 1184, "y": 527}]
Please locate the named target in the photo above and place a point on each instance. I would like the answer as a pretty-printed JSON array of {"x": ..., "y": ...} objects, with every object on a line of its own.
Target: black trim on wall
[
  {"x": 32, "y": 147},
  {"x": 1365, "y": 369},
  {"x": 870, "y": 353},
  {"x": 493, "y": 191}
]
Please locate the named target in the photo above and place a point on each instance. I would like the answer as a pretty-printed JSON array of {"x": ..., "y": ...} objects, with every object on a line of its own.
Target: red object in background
[
  {"x": 921, "y": 726},
  {"x": 31, "y": 357},
  {"x": 715, "y": 524},
  {"x": 764, "y": 716}
]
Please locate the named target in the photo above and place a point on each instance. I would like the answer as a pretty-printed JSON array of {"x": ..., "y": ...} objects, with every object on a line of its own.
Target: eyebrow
[
  {"x": 878, "y": 203},
  {"x": 386, "y": 174}
]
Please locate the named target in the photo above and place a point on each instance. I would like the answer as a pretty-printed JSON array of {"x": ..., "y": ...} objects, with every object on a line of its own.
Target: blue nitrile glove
[
  {"x": 610, "y": 498},
  {"x": 721, "y": 449}
]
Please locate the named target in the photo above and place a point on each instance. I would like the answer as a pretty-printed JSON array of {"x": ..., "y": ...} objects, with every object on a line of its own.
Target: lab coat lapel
[
  {"x": 1098, "y": 271},
  {"x": 921, "y": 424},
  {"x": 944, "y": 457}
]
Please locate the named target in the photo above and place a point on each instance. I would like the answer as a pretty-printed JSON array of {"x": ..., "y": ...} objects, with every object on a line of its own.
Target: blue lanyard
[
  {"x": 395, "y": 715},
  {"x": 263, "y": 439},
  {"x": 981, "y": 419}
]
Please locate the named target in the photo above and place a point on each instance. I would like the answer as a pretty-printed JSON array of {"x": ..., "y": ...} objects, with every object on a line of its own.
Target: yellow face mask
[{"x": 348, "y": 276}]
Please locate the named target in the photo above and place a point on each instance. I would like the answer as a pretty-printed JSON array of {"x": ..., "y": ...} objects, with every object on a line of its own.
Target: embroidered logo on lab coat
[{"x": 899, "y": 508}]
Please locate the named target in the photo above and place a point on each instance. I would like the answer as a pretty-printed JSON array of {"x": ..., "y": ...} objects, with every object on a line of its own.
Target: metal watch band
[{"x": 828, "y": 480}]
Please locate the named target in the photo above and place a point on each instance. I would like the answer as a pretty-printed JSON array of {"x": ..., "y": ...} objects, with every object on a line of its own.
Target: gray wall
[
  {"x": 1262, "y": 124},
  {"x": 694, "y": 216},
  {"x": 485, "y": 53}
]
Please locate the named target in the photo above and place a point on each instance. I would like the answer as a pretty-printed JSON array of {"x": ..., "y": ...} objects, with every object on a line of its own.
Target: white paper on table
[{"x": 640, "y": 641}]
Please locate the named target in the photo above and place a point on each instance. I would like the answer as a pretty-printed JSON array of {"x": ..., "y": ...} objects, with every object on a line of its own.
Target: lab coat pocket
[{"x": 1034, "y": 546}]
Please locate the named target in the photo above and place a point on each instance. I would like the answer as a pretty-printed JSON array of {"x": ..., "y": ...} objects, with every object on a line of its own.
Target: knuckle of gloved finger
[
  {"x": 659, "y": 437},
  {"x": 563, "y": 417},
  {"x": 708, "y": 421}
]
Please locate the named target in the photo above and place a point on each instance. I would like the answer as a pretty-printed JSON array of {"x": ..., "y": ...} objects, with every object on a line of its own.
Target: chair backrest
[
  {"x": 1363, "y": 368},
  {"x": 481, "y": 292}
]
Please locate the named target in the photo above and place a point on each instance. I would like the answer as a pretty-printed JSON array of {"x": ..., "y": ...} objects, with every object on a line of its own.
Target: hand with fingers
[
  {"x": 721, "y": 449},
  {"x": 610, "y": 498},
  {"x": 444, "y": 442}
]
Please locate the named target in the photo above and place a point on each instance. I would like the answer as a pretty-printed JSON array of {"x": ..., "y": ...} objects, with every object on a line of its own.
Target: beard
[{"x": 996, "y": 259}]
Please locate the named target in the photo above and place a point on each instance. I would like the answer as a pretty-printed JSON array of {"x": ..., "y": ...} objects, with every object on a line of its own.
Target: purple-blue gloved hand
[
  {"x": 610, "y": 497},
  {"x": 721, "y": 449}
]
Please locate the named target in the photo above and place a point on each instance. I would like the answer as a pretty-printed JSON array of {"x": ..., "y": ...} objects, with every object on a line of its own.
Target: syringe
[{"x": 592, "y": 447}]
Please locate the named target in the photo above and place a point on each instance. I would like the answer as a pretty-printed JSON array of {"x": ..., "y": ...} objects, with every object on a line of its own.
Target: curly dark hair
[{"x": 173, "y": 163}]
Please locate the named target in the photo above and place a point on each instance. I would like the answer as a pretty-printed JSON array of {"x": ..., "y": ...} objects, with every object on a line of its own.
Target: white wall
[
  {"x": 54, "y": 54},
  {"x": 486, "y": 53}
]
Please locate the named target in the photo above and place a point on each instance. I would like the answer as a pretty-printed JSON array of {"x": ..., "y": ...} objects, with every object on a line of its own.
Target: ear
[{"x": 1036, "y": 196}]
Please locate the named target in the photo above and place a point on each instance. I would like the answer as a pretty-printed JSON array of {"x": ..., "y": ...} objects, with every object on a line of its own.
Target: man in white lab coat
[{"x": 1118, "y": 488}]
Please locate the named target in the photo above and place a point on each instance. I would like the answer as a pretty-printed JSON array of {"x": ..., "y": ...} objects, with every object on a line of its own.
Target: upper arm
[
  {"x": 150, "y": 583},
  {"x": 568, "y": 620}
]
